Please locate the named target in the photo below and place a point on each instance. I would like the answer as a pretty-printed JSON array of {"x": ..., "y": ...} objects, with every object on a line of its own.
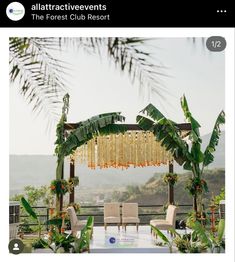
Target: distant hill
[
  {"x": 40, "y": 170},
  {"x": 155, "y": 191}
]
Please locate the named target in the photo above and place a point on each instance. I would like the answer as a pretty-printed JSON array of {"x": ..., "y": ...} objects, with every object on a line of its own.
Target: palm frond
[
  {"x": 129, "y": 55},
  {"x": 40, "y": 76},
  {"x": 214, "y": 139}
]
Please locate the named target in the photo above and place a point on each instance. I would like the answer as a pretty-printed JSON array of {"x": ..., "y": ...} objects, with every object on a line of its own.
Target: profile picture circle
[
  {"x": 16, "y": 246},
  {"x": 15, "y": 11}
]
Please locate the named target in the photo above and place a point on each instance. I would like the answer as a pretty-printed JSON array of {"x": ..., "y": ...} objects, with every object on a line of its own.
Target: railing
[{"x": 146, "y": 213}]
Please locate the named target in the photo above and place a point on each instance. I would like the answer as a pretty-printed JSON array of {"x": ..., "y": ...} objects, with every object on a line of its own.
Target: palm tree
[
  {"x": 186, "y": 153},
  {"x": 41, "y": 77}
]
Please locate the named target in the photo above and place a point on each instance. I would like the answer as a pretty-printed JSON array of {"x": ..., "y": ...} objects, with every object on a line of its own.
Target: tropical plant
[
  {"x": 56, "y": 221},
  {"x": 59, "y": 187},
  {"x": 166, "y": 241},
  {"x": 188, "y": 243},
  {"x": 31, "y": 213},
  {"x": 38, "y": 243},
  {"x": 221, "y": 196},
  {"x": 58, "y": 242},
  {"x": 185, "y": 152},
  {"x": 83, "y": 243},
  {"x": 213, "y": 241},
  {"x": 102, "y": 124},
  {"x": 35, "y": 195},
  {"x": 41, "y": 77},
  {"x": 72, "y": 183}
]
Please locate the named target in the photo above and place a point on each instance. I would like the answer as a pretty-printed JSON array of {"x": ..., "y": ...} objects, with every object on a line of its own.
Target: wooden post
[
  {"x": 170, "y": 187},
  {"x": 71, "y": 175}
]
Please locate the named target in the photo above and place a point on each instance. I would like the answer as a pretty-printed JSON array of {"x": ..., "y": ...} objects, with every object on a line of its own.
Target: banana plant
[
  {"x": 102, "y": 124},
  {"x": 213, "y": 241},
  {"x": 187, "y": 153},
  {"x": 83, "y": 243},
  {"x": 27, "y": 207},
  {"x": 166, "y": 241}
]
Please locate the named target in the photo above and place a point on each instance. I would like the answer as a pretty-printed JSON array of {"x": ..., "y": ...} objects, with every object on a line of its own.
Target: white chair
[
  {"x": 169, "y": 222},
  {"x": 112, "y": 214},
  {"x": 76, "y": 225},
  {"x": 130, "y": 214}
]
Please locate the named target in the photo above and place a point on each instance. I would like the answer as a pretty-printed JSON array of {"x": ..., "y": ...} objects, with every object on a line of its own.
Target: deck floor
[{"x": 131, "y": 241}]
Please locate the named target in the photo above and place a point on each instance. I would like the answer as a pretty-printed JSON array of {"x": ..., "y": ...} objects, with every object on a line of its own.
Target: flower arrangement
[
  {"x": 196, "y": 185},
  {"x": 170, "y": 178},
  {"x": 72, "y": 183},
  {"x": 59, "y": 187}
]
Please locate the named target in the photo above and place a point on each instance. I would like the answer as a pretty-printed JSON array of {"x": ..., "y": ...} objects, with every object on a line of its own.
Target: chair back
[
  {"x": 111, "y": 209},
  {"x": 222, "y": 209},
  {"x": 130, "y": 209},
  {"x": 171, "y": 215},
  {"x": 72, "y": 217}
]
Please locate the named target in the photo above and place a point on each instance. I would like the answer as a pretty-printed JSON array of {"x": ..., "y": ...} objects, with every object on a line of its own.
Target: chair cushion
[
  {"x": 130, "y": 220},
  {"x": 154, "y": 221},
  {"x": 112, "y": 220},
  {"x": 161, "y": 224}
]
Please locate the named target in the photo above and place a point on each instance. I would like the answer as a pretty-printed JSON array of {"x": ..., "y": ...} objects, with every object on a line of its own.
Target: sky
[{"x": 96, "y": 86}]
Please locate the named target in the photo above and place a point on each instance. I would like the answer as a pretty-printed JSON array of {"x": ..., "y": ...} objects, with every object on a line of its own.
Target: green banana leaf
[
  {"x": 28, "y": 208},
  {"x": 201, "y": 233},
  {"x": 102, "y": 124},
  {"x": 166, "y": 132},
  {"x": 214, "y": 139},
  {"x": 160, "y": 234},
  {"x": 55, "y": 222},
  {"x": 194, "y": 133},
  {"x": 90, "y": 222},
  {"x": 221, "y": 228},
  {"x": 99, "y": 125}
]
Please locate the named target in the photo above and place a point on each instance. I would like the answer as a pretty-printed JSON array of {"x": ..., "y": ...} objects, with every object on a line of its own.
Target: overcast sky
[{"x": 97, "y": 87}]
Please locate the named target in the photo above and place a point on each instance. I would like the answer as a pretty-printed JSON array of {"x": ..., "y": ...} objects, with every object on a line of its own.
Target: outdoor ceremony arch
[{"x": 135, "y": 147}]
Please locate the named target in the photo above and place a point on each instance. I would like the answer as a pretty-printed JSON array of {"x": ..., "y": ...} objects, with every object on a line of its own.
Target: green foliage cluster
[
  {"x": 35, "y": 195},
  {"x": 221, "y": 196},
  {"x": 186, "y": 153},
  {"x": 170, "y": 178},
  {"x": 198, "y": 240}
]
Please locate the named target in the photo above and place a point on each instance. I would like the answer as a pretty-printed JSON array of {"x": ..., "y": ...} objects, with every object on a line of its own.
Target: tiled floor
[{"x": 131, "y": 241}]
